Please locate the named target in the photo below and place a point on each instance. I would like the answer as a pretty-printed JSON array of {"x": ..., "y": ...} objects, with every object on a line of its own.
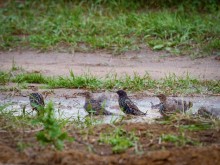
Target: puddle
[{"x": 72, "y": 108}]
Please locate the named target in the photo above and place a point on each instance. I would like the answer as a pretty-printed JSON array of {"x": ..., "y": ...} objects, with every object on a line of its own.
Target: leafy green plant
[
  {"x": 119, "y": 139},
  {"x": 53, "y": 130}
]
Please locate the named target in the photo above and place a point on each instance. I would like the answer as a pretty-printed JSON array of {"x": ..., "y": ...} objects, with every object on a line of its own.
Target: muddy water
[{"x": 72, "y": 107}]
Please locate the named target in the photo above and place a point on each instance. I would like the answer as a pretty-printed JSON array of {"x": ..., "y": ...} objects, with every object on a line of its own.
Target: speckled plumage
[
  {"x": 36, "y": 101},
  {"x": 169, "y": 106},
  {"x": 209, "y": 112},
  {"x": 95, "y": 107},
  {"x": 126, "y": 105}
]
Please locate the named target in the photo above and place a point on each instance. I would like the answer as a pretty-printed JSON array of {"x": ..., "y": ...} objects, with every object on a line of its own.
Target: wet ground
[{"x": 69, "y": 104}]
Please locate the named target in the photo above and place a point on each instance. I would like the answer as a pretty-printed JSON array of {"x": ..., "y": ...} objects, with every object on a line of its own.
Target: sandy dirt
[{"x": 157, "y": 64}]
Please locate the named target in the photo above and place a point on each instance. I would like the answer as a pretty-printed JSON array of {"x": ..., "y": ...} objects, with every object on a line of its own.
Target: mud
[
  {"x": 21, "y": 147},
  {"x": 157, "y": 64},
  {"x": 148, "y": 151}
]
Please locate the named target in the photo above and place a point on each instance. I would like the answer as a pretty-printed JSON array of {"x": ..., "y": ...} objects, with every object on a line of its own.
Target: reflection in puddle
[{"x": 72, "y": 108}]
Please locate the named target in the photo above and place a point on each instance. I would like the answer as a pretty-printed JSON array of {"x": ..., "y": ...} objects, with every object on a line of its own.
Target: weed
[
  {"x": 4, "y": 78},
  {"x": 53, "y": 130},
  {"x": 179, "y": 140},
  {"x": 119, "y": 139}
]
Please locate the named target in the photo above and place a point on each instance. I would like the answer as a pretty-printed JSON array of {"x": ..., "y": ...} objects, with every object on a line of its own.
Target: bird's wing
[
  {"x": 183, "y": 105},
  {"x": 131, "y": 105},
  {"x": 98, "y": 107},
  {"x": 133, "y": 108},
  {"x": 42, "y": 99},
  {"x": 102, "y": 99}
]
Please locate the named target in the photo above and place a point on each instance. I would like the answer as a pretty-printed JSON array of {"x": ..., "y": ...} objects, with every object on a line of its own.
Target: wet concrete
[{"x": 70, "y": 106}]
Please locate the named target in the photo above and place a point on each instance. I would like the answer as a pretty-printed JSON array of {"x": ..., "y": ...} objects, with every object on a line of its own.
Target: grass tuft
[
  {"x": 171, "y": 84},
  {"x": 30, "y": 78},
  {"x": 179, "y": 140},
  {"x": 120, "y": 140}
]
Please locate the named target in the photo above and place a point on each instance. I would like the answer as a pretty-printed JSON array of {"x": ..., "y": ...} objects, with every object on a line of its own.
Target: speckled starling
[
  {"x": 36, "y": 101},
  {"x": 126, "y": 105},
  {"x": 94, "y": 107},
  {"x": 169, "y": 106},
  {"x": 209, "y": 112}
]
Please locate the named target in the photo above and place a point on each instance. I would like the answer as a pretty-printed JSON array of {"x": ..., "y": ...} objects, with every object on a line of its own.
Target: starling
[
  {"x": 169, "y": 106},
  {"x": 208, "y": 112},
  {"x": 93, "y": 106},
  {"x": 126, "y": 105},
  {"x": 36, "y": 99}
]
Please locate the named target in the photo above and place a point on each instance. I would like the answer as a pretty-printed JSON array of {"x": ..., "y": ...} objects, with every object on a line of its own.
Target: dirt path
[{"x": 155, "y": 63}]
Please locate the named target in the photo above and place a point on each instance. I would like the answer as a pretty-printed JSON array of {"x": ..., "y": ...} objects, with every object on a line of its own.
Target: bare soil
[
  {"x": 150, "y": 150},
  {"x": 157, "y": 64}
]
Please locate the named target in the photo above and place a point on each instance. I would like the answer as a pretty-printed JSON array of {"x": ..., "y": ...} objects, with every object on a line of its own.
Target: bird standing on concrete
[
  {"x": 169, "y": 106},
  {"x": 94, "y": 107},
  {"x": 126, "y": 105},
  {"x": 36, "y": 99}
]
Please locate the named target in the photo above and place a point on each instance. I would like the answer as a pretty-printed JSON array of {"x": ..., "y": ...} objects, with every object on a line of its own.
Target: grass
[
  {"x": 10, "y": 122},
  {"x": 178, "y": 140},
  {"x": 196, "y": 127},
  {"x": 116, "y": 26},
  {"x": 119, "y": 139},
  {"x": 4, "y": 78},
  {"x": 171, "y": 84}
]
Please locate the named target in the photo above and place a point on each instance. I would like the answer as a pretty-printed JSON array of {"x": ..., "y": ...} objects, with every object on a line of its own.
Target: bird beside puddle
[
  {"x": 36, "y": 99},
  {"x": 169, "y": 106},
  {"x": 95, "y": 106},
  {"x": 126, "y": 105}
]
